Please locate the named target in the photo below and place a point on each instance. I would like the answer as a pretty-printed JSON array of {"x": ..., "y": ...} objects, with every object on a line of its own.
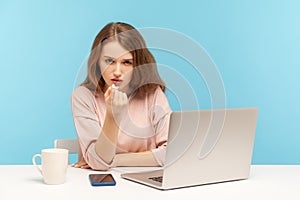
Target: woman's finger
[
  {"x": 79, "y": 164},
  {"x": 120, "y": 98},
  {"x": 108, "y": 93},
  {"x": 116, "y": 99},
  {"x": 124, "y": 99},
  {"x": 85, "y": 167}
]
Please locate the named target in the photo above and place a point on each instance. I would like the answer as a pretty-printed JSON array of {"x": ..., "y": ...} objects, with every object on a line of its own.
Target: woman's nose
[{"x": 117, "y": 70}]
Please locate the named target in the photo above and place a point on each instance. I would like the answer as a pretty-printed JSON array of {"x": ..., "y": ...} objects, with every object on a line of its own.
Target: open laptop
[{"x": 204, "y": 147}]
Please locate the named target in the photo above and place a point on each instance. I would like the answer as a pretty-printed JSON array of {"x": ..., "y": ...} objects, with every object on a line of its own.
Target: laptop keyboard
[{"x": 157, "y": 179}]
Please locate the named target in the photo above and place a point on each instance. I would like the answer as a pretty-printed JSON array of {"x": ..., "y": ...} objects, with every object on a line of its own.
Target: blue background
[{"x": 255, "y": 45}]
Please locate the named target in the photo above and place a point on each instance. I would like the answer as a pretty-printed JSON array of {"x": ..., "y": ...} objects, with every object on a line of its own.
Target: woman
[{"x": 120, "y": 111}]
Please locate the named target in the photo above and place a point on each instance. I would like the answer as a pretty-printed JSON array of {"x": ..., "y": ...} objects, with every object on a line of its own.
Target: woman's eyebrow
[{"x": 108, "y": 57}]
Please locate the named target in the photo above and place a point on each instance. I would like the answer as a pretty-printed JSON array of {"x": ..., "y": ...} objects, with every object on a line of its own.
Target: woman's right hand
[
  {"x": 116, "y": 107},
  {"x": 116, "y": 102}
]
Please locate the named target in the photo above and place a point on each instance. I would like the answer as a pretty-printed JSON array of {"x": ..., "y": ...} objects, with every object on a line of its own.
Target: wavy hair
[{"x": 145, "y": 76}]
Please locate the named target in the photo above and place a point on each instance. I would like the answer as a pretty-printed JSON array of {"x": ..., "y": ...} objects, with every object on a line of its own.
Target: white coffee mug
[{"x": 54, "y": 165}]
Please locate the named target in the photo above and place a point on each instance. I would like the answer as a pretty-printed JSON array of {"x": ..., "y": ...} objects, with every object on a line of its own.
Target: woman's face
[{"x": 116, "y": 64}]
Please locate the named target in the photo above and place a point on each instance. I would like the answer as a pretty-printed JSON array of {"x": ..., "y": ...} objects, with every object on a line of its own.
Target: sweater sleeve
[
  {"x": 87, "y": 126},
  {"x": 161, "y": 117}
]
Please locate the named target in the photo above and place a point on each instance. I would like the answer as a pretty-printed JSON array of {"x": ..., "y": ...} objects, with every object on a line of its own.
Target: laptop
[{"x": 204, "y": 147}]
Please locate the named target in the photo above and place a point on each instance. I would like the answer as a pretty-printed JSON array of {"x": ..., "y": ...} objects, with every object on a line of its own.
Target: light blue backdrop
[{"x": 255, "y": 45}]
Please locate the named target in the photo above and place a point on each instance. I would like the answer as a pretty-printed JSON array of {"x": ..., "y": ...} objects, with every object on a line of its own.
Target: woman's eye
[
  {"x": 108, "y": 61},
  {"x": 127, "y": 63}
]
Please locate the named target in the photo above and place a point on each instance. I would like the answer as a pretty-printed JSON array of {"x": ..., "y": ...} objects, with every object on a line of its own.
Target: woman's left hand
[{"x": 81, "y": 164}]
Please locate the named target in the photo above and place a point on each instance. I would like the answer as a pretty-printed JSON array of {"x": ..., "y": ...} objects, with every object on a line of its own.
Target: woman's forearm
[
  {"x": 140, "y": 159},
  {"x": 105, "y": 145}
]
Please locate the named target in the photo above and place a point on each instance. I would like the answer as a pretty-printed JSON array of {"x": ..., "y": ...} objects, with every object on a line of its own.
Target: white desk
[{"x": 266, "y": 182}]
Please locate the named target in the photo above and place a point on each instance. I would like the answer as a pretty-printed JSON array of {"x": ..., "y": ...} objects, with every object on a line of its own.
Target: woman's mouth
[{"x": 116, "y": 81}]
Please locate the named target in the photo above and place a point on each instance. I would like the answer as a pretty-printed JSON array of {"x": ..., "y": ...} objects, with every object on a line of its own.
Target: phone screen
[{"x": 102, "y": 179}]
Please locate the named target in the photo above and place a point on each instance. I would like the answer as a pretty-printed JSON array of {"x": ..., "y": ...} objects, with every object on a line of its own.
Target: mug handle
[{"x": 34, "y": 162}]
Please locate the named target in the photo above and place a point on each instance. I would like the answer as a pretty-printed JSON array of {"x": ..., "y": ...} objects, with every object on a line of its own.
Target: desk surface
[{"x": 265, "y": 182}]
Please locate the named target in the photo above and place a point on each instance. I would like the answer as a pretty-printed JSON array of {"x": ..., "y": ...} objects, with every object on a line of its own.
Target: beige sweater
[{"x": 144, "y": 128}]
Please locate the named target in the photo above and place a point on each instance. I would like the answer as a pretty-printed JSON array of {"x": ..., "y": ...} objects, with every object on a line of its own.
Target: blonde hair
[{"x": 145, "y": 76}]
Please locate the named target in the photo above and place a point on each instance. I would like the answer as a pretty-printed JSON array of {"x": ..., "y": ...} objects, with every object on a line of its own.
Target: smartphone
[{"x": 102, "y": 180}]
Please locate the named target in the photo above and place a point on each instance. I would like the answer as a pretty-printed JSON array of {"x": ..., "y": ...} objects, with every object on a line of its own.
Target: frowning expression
[{"x": 116, "y": 64}]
